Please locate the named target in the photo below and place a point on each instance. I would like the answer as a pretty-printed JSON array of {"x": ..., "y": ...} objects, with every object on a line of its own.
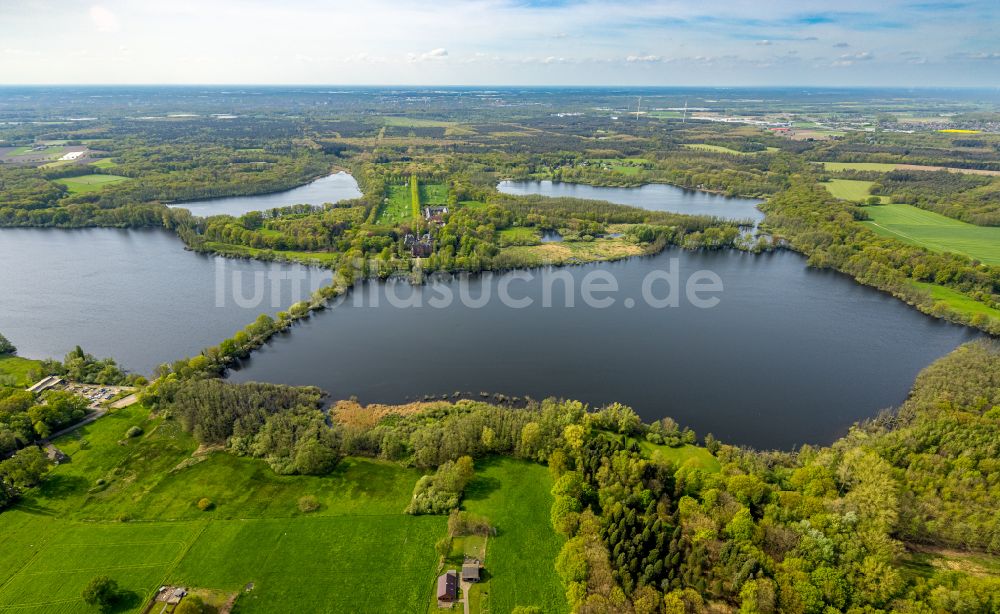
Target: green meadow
[
  {"x": 725, "y": 150},
  {"x": 520, "y": 560},
  {"x": 936, "y": 232},
  {"x": 399, "y": 207},
  {"x": 17, "y": 371},
  {"x": 127, "y": 508},
  {"x": 958, "y": 302},
  {"x": 89, "y": 183},
  {"x": 851, "y": 189},
  {"x": 859, "y": 166}
]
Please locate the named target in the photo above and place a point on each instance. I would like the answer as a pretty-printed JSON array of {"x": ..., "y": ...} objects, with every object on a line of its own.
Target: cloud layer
[{"x": 728, "y": 42}]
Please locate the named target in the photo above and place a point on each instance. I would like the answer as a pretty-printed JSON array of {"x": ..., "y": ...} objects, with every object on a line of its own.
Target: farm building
[
  {"x": 470, "y": 572},
  {"x": 447, "y": 589}
]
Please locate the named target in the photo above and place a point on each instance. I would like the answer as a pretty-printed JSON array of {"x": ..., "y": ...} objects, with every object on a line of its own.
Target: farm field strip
[{"x": 936, "y": 232}]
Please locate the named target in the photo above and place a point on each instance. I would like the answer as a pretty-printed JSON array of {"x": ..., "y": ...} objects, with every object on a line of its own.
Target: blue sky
[{"x": 533, "y": 42}]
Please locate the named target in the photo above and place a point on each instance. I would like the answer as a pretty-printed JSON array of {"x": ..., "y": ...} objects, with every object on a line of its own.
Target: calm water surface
[
  {"x": 790, "y": 355},
  {"x": 134, "y": 295},
  {"x": 655, "y": 196},
  {"x": 329, "y": 189}
]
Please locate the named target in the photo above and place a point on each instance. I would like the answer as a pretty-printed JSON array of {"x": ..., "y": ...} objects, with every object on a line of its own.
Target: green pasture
[{"x": 935, "y": 232}]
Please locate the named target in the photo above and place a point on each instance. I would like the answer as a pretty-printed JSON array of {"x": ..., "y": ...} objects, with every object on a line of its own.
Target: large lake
[
  {"x": 790, "y": 355},
  {"x": 134, "y": 295},
  {"x": 655, "y": 196},
  {"x": 330, "y": 189}
]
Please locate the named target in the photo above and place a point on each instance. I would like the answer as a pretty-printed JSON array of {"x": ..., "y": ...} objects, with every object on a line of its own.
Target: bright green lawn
[
  {"x": 17, "y": 371},
  {"x": 936, "y": 232},
  {"x": 519, "y": 235},
  {"x": 958, "y": 301},
  {"x": 399, "y": 208},
  {"x": 334, "y": 560},
  {"x": 433, "y": 194},
  {"x": 697, "y": 455},
  {"x": 851, "y": 189},
  {"x": 89, "y": 183},
  {"x": 520, "y": 559},
  {"x": 104, "y": 163}
]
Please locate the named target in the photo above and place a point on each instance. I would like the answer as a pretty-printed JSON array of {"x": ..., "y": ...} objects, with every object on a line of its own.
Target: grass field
[
  {"x": 105, "y": 163},
  {"x": 413, "y": 122},
  {"x": 519, "y": 235},
  {"x": 958, "y": 301},
  {"x": 696, "y": 455},
  {"x": 89, "y": 183},
  {"x": 322, "y": 258},
  {"x": 726, "y": 150},
  {"x": 398, "y": 209},
  {"x": 936, "y": 232},
  {"x": 851, "y": 189},
  {"x": 520, "y": 559},
  {"x": 858, "y": 166},
  {"x": 433, "y": 194},
  {"x": 17, "y": 371},
  {"x": 336, "y": 559}
]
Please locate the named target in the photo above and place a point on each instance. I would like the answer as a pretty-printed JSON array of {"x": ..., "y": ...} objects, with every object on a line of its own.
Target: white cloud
[
  {"x": 433, "y": 55},
  {"x": 849, "y": 59},
  {"x": 105, "y": 20},
  {"x": 643, "y": 58},
  {"x": 764, "y": 43}
]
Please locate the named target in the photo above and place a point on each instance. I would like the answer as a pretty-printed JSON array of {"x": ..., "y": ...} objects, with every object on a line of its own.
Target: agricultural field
[
  {"x": 935, "y": 232},
  {"x": 71, "y": 529},
  {"x": 17, "y": 371},
  {"x": 519, "y": 567},
  {"x": 725, "y": 150},
  {"x": 104, "y": 163},
  {"x": 851, "y": 189},
  {"x": 89, "y": 183},
  {"x": 415, "y": 122},
  {"x": 858, "y": 166}
]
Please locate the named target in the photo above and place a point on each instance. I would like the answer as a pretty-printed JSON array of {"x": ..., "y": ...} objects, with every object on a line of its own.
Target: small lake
[
  {"x": 134, "y": 295},
  {"x": 790, "y": 355},
  {"x": 653, "y": 196},
  {"x": 330, "y": 189}
]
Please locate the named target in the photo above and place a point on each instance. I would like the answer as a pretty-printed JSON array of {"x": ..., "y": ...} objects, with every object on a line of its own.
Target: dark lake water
[
  {"x": 790, "y": 355},
  {"x": 655, "y": 196},
  {"x": 134, "y": 295},
  {"x": 329, "y": 189}
]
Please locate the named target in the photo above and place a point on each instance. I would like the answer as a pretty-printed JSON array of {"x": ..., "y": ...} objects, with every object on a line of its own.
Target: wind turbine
[
  {"x": 685, "y": 116},
  {"x": 637, "y": 107}
]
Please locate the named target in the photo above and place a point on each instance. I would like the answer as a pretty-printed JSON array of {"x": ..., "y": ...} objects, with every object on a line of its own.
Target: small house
[
  {"x": 470, "y": 572},
  {"x": 447, "y": 589}
]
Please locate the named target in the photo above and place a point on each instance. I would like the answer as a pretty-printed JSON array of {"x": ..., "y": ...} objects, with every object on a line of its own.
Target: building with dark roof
[{"x": 447, "y": 589}]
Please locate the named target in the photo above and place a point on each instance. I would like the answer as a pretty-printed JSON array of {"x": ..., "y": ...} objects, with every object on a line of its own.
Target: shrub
[
  {"x": 134, "y": 431},
  {"x": 441, "y": 492},
  {"x": 205, "y": 504},
  {"x": 308, "y": 504}
]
